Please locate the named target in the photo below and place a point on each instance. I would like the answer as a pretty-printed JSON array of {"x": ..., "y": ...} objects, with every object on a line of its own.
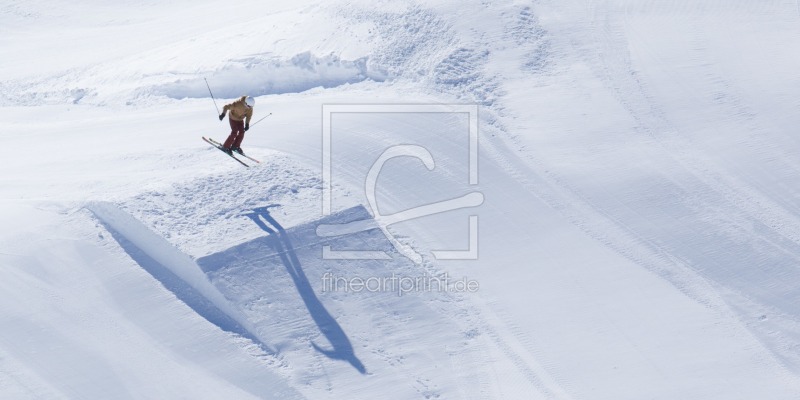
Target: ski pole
[
  {"x": 212, "y": 96},
  {"x": 254, "y": 123}
]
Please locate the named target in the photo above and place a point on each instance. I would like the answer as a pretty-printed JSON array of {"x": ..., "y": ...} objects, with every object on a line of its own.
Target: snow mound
[
  {"x": 407, "y": 40},
  {"x": 272, "y": 273},
  {"x": 174, "y": 269},
  {"x": 264, "y": 74}
]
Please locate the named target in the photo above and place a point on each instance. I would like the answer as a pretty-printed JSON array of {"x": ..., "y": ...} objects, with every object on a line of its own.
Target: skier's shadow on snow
[{"x": 342, "y": 348}]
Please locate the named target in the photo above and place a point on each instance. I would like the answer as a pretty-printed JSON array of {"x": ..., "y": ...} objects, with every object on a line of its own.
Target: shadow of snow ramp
[
  {"x": 174, "y": 269},
  {"x": 265, "y": 263}
]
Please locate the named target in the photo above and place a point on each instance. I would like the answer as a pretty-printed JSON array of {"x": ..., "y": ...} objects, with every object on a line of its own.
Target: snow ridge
[
  {"x": 265, "y": 74},
  {"x": 166, "y": 263}
]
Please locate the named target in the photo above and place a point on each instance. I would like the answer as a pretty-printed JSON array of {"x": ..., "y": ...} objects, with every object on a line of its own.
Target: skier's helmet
[{"x": 250, "y": 101}]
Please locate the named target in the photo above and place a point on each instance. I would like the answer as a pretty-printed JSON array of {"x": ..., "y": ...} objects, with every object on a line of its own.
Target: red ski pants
[{"x": 237, "y": 135}]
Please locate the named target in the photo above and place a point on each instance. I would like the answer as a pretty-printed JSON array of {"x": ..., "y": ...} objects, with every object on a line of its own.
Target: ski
[
  {"x": 218, "y": 144},
  {"x": 219, "y": 147}
]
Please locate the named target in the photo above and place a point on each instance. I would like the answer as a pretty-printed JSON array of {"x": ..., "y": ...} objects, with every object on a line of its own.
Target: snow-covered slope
[{"x": 626, "y": 227}]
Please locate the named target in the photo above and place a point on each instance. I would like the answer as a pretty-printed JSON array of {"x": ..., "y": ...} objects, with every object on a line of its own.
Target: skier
[{"x": 241, "y": 112}]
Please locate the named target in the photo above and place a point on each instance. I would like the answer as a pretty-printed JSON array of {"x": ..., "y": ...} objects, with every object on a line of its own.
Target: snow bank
[{"x": 264, "y": 74}]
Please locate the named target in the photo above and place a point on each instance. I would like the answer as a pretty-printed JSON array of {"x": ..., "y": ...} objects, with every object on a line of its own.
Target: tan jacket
[{"x": 239, "y": 110}]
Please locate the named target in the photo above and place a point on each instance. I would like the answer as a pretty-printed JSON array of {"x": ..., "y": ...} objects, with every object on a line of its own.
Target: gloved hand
[
  {"x": 246, "y": 127},
  {"x": 221, "y": 116}
]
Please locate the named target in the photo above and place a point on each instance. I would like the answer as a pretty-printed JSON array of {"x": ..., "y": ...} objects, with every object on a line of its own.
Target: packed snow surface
[{"x": 456, "y": 200}]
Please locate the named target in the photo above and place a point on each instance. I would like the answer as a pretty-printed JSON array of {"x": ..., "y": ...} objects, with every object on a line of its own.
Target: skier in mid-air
[{"x": 241, "y": 113}]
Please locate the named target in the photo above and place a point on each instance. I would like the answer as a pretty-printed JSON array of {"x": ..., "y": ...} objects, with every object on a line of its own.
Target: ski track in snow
[{"x": 758, "y": 220}]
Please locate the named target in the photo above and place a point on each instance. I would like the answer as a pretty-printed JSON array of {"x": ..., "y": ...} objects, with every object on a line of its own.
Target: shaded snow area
[{"x": 499, "y": 200}]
